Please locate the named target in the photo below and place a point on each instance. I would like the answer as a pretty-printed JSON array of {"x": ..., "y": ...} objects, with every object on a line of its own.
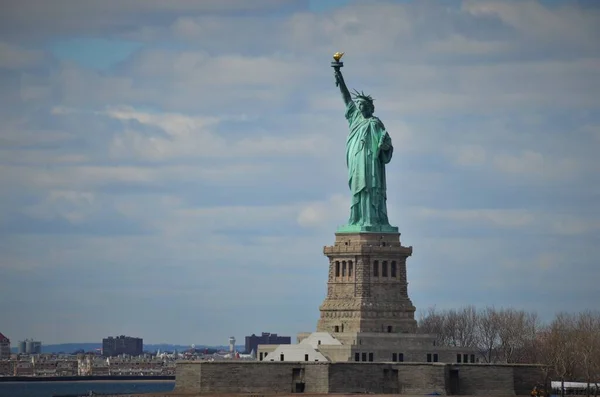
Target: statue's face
[{"x": 364, "y": 107}]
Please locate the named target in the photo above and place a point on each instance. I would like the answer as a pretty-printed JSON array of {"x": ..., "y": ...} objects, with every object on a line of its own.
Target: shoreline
[
  {"x": 87, "y": 379},
  {"x": 97, "y": 381}
]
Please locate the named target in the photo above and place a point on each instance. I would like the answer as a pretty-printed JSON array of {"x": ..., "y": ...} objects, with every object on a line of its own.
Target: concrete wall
[
  {"x": 249, "y": 377},
  {"x": 476, "y": 379},
  {"x": 188, "y": 376},
  {"x": 363, "y": 378},
  {"x": 380, "y": 378},
  {"x": 527, "y": 376},
  {"x": 316, "y": 378},
  {"x": 422, "y": 378}
]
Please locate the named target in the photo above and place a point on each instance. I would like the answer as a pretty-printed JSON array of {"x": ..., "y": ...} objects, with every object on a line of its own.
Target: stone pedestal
[{"x": 367, "y": 287}]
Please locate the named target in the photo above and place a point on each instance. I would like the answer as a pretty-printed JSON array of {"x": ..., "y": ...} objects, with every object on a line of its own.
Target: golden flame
[{"x": 337, "y": 56}]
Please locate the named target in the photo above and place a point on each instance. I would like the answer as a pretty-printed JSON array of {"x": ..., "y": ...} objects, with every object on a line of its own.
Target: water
[{"x": 48, "y": 389}]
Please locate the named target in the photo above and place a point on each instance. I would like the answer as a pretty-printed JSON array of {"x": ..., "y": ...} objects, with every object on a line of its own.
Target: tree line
[{"x": 569, "y": 345}]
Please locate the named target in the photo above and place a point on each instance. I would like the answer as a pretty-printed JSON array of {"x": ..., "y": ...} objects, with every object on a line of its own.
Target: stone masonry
[
  {"x": 232, "y": 377},
  {"x": 367, "y": 290}
]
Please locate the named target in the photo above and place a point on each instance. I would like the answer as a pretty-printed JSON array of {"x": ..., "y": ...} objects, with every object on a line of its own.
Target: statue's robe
[{"x": 366, "y": 161}]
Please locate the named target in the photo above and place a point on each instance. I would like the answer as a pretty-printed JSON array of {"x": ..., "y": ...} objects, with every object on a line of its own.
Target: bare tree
[
  {"x": 563, "y": 347},
  {"x": 453, "y": 327},
  {"x": 545, "y": 353},
  {"x": 587, "y": 339},
  {"x": 569, "y": 346},
  {"x": 517, "y": 333},
  {"x": 488, "y": 334},
  {"x": 433, "y": 323},
  {"x": 465, "y": 333}
]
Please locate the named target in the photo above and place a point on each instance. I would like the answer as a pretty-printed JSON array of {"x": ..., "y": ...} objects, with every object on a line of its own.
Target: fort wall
[{"x": 229, "y": 377}]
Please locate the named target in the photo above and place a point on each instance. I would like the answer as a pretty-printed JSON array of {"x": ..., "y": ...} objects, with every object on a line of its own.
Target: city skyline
[{"x": 172, "y": 170}]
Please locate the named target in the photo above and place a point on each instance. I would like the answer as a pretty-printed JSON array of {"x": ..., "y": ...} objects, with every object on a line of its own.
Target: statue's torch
[{"x": 336, "y": 64}]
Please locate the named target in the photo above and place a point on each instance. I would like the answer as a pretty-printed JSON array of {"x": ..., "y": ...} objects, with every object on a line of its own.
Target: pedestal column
[{"x": 367, "y": 290}]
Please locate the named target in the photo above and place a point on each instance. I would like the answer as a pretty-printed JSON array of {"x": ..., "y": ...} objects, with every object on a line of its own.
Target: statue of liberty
[{"x": 368, "y": 149}]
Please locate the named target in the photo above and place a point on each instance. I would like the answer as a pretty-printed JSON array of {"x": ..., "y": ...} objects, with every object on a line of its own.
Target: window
[
  {"x": 364, "y": 356},
  {"x": 337, "y": 268},
  {"x": 458, "y": 358},
  {"x": 394, "y": 357},
  {"x": 336, "y": 328},
  {"x": 465, "y": 358},
  {"x": 375, "y": 268},
  {"x": 344, "y": 269},
  {"x": 393, "y": 269},
  {"x": 281, "y": 357},
  {"x": 349, "y": 268},
  {"x": 401, "y": 357},
  {"x": 306, "y": 357},
  {"x": 435, "y": 357},
  {"x": 371, "y": 357},
  {"x": 261, "y": 356},
  {"x": 384, "y": 269},
  {"x": 356, "y": 356},
  {"x": 473, "y": 358},
  {"x": 389, "y": 328},
  {"x": 428, "y": 357}
]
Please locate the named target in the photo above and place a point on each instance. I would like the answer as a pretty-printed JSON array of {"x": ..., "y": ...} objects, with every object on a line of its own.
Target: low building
[
  {"x": 369, "y": 347},
  {"x": 4, "y": 347},
  {"x": 265, "y": 338},
  {"x": 125, "y": 366},
  {"x": 24, "y": 368},
  {"x": 122, "y": 345},
  {"x": 7, "y": 367}
]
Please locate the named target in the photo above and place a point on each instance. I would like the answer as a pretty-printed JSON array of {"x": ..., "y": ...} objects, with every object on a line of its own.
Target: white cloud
[
  {"x": 319, "y": 214},
  {"x": 37, "y": 18},
  {"x": 523, "y": 219},
  {"x": 593, "y": 130},
  {"x": 467, "y": 155},
  {"x": 494, "y": 217},
  {"x": 73, "y": 206},
  {"x": 567, "y": 24},
  {"x": 196, "y": 137},
  {"x": 15, "y": 58},
  {"x": 565, "y": 224},
  {"x": 530, "y": 163},
  {"x": 457, "y": 44}
]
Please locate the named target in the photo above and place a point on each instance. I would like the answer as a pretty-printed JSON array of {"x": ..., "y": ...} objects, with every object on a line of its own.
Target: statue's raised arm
[{"x": 339, "y": 79}]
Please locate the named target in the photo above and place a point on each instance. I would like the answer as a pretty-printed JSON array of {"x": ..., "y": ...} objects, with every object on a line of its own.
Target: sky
[{"x": 172, "y": 170}]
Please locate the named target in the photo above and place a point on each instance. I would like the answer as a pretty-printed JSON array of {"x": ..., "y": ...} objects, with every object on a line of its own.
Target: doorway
[
  {"x": 298, "y": 380},
  {"x": 454, "y": 382}
]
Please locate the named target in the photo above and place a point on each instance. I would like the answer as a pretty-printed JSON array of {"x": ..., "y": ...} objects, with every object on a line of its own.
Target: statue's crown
[{"x": 363, "y": 96}]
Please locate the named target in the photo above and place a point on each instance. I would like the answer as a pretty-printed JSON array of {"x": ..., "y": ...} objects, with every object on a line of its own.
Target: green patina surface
[{"x": 368, "y": 149}]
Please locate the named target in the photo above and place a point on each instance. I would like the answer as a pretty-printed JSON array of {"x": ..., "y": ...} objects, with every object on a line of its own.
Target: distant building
[
  {"x": 122, "y": 345},
  {"x": 265, "y": 338},
  {"x": 4, "y": 347},
  {"x": 30, "y": 346}
]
